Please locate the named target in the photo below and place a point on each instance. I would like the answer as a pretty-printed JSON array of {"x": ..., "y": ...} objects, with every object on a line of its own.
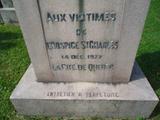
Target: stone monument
[{"x": 83, "y": 59}]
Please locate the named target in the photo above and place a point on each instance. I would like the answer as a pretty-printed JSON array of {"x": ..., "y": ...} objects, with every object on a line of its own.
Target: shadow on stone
[
  {"x": 156, "y": 112},
  {"x": 1, "y": 5},
  {"x": 137, "y": 74}
]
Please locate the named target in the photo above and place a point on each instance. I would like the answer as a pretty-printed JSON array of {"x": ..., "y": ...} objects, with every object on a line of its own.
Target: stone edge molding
[
  {"x": 8, "y": 15},
  {"x": 132, "y": 100}
]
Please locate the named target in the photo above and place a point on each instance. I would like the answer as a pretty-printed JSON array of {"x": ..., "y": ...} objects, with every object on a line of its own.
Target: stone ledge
[
  {"x": 9, "y": 15},
  {"x": 81, "y": 99}
]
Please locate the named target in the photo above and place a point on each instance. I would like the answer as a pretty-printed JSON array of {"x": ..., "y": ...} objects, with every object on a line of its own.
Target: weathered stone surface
[
  {"x": 8, "y": 15},
  {"x": 38, "y": 32},
  {"x": 30, "y": 22},
  {"x": 130, "y": 100},
  {"x": 7, "y": 3},
  {"x": 1, "y": 20}
]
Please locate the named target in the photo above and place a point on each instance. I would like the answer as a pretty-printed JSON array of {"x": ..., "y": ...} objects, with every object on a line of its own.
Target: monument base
[{"x": 131, "y": 100}]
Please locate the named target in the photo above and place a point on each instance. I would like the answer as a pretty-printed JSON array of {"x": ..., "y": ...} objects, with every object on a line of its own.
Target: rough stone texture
[
  {"x": 130, "y": 100},
  {"x": 8, "y": 15}
]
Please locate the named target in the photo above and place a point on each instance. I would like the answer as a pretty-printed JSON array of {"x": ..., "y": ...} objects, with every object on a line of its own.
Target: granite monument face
[{"x": 83, "y": 59}]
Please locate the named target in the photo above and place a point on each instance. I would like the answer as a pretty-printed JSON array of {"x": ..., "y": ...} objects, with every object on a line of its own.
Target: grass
[{"x": 14, "y": 61}]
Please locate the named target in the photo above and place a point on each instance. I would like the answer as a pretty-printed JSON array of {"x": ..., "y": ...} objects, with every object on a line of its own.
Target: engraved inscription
[
  {"x": 82, "y": 42},
  {"x": 81, "y": 17},
  {"x": 82, "y": 94},
  {"x": 83, "y": 45},
  {"x": 83, "y": 67}
]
